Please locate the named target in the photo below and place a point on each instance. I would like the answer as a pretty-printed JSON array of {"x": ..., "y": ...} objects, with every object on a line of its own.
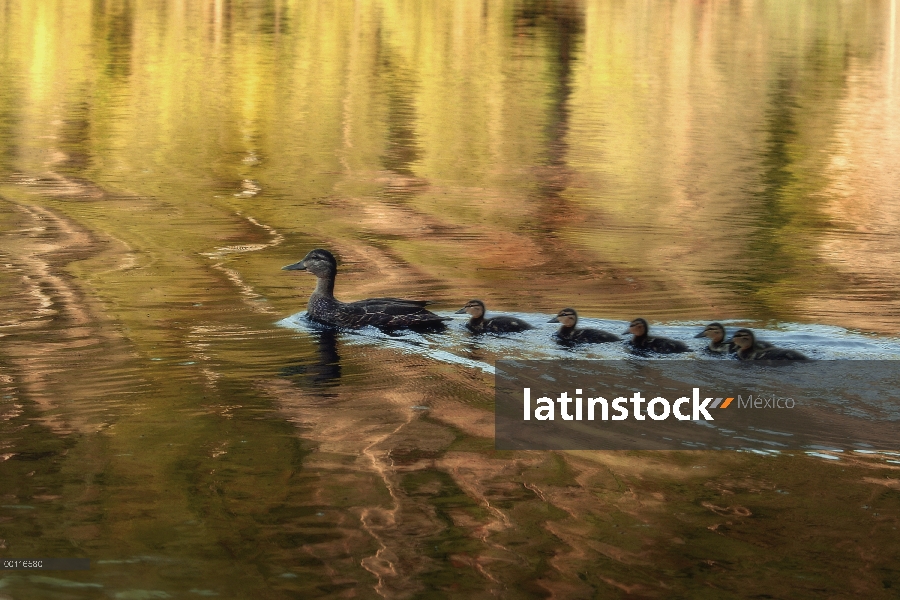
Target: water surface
[{"x": 685, "y": 162}]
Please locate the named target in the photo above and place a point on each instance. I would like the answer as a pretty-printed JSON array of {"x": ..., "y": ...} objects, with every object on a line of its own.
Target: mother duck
[{"x": 385, "y": 313}]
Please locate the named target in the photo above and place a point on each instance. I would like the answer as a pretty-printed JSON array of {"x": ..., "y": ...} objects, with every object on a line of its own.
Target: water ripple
[{"x": 459, "y": 346}]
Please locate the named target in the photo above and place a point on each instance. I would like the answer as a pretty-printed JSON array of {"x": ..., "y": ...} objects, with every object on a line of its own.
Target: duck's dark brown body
[
  {"x": 499, "y": 324},
  {"x": 643, "y": 342},
  {"x": 568, "y": 333},
  {"x": 586, "y": 336},
  {"x": 771, "y": 353},
  {"x": 753, "y": 350},
  {"x": 660, "y": 345},
  {"x": 384, "y": 313}
]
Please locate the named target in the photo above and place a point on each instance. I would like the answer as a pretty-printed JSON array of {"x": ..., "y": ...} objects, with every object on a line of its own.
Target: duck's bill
[
  {"x": 461, "y": 311},
  {"x": 554, "y": 320},
  {"x": 626, "y": 332},
  {"x": 297, "y": 266},
  {"x": 700, "y": 335}
]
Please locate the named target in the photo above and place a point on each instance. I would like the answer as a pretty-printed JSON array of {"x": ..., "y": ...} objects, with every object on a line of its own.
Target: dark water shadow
[
  {"x": 786, "y": 203},
  {"x": 325, "y": 371},
  {"x": 398, "y": 85},
  {"x": 113, "y": 33},
  {"x": 559, "y": 27}
]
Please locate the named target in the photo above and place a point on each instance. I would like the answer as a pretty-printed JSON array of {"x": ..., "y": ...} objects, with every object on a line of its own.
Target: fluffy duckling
[
  {"x": 718, "y": 344},
  {"x": 502, "y": 324},
  {"x": 568, "y": 333},
  {"x": 639, "y": 329},
  {"x": 385, "y": 313},
  {"x": 750, "y": 349}
]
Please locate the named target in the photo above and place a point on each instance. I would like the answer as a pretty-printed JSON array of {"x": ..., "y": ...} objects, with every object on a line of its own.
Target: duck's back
[
  {"x": 668, "y": 346},
  {"x": 773, "y": 353},
  {"x": 589, "y": 336},
  {"x": 384, "y": 313},
  {"x": 660, "y": 345},
  {"x": 503, "y": 324}
]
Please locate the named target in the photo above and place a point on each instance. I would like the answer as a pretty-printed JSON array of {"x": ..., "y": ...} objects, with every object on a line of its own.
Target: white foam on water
[
  {"x": 820, "y": 455},
  {"x": 457, "y": 344}
]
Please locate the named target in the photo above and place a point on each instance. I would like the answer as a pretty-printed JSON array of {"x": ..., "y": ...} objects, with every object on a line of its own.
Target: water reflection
[
  {"x": 399, "y": 90},
  {"x": 113, "y": 26},
  {"x": 776, "y": 243},
  {"x": 685, "y": 161},
  {"x": 325, "y": 371},
  {"x": 560, "y": 27},
  {"x": 74, "y": 140}
]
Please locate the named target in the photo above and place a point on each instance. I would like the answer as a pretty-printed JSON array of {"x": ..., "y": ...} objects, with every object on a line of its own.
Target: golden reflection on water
[{"x": 159, "y": 162}]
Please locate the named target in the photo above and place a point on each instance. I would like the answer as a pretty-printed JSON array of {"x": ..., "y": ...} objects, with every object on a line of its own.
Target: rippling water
[{"x": 166, "y": 412}]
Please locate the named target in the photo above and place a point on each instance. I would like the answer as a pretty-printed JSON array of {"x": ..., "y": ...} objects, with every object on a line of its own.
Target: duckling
[
  {"x": 717, "y": 342},
  {"x": 501, "y": 324},
  {"x": 385, "y": 313},
  {"x": 750, "y": 349},
  {"x": 568, "y": 333},
  {"x": 641, "y": 341}
]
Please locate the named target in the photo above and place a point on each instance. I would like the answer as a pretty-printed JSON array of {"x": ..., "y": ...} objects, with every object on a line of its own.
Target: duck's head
[
  {"x": 638, "y": 327},
  {"x": 320, "y": 263},
  {"x": 743, "y": 339},
  {"x": 567, "y": 317},
  {"x": 473, "y": 308},
  {"x": 713, "y": 331}
]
